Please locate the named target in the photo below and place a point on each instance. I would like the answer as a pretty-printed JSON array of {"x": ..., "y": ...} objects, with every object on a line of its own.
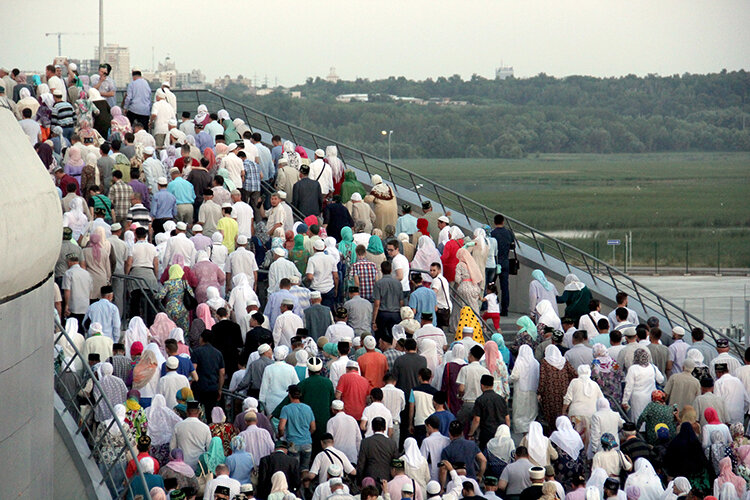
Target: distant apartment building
[
  {"x": 119, "y": 58},
  {"x": 352, "y": 97},
  {"x": 226, "y": 80}
]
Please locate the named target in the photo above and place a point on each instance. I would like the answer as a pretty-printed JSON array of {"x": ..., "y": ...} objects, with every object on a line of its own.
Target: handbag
[
  {"x": 513, "y": 263},
  {"x": 203, "y": 478},
  {"x": 188, "y": 299}
]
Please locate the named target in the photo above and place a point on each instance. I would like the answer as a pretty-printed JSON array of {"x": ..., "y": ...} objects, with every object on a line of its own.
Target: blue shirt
[
  {"x": 252, "y": 176},
  {"x": 298, "y": 417},
  {"x": 184, "y": 366},
  {"x": 138, "y": 99},
  {"x": 423, "y": 299},
  {"x": 182, "y": 190},
  {"x": 602, "y": 338},
  {"x": 407, "y": 223},
  {"x": 105, "y": 312},
  {"x": 462, "y": 450},
  {"x": 163, "y": 205},
  {"x": 276, "y": 153},
  {"x": 266, "y": 162},
  {"x": 445, "y": 418},
  {"x": 240, "y": 465}
]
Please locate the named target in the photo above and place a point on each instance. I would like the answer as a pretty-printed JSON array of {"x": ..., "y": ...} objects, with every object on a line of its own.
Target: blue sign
[{"x": 613, "y": 242}]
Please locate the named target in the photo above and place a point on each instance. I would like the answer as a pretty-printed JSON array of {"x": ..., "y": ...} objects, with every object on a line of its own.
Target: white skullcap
[
  {"x": 279, "y": 251},
  {"x": 337, "y": 404},
  {"x": 443, "y": 218},
  {"x": 223, "y": 114},
  {"x": 352, "y": 364},
  {"x": 320, "y": 153},
  {"x": 149, "y": 150},
  {"x": 242, "y": 239},
  {"x": 172, "y": 363},
  {"x": 370, "y": 342},
  {"x": 280, "y": 352},
  {"x": 433, "y": 488},
  {"x": 678, "y": 330},
  {"x": 181, "y": 226},
  {"x": 314, "y": 365},
  {"x": 319, "y": 245},
  {"x": 232, "y": 147},
  {"x": 468, "y": 329},
  {"x": 197, "y": 228},
  {"x": 172, "y": 122},
  {"x": 281, "y": 194},
  {"x": 263, "y": 348},
  {"x": 97, "y": 328},
  {"x": 335, "y": 470},
  {"x": 73, "y": 67},
  {"x": 356, "y": 197},
  {"x": 315, "y": 294},
  {"x": 250, "y": 403},
  {"x": 376, "y": 179},
  {"x": 226, "y": 205},
  {"x": 294, "y": 279}
]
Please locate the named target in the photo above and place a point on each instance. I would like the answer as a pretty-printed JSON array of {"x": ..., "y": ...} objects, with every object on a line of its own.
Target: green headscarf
[
  {"x": 375, "y": 245},
  {"x": 527, "y": 326},
  {"x": 215, "y": 454},
  {"x": 299, "y": 243},
  {"x": 350, "y": 186},
  {"x": 331, "y": 348},
  {"x": 228, "y": 184},
  {"x": 504, "y": 351},
  {"x": 347, "y": 247}
]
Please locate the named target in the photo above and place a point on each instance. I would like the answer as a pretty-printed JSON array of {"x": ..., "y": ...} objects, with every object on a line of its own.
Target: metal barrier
[
  {"x": 416, "y": 188},
  {"x": 68, "y": 384}
]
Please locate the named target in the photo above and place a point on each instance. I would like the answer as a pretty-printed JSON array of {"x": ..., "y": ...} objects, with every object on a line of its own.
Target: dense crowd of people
[{"x": 349, "y": 325}]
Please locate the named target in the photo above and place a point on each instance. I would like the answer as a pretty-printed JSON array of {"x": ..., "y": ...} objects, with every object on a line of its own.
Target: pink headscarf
[
  {"x": 301, "y": 151},
  {"x": 491, "y": 355},
  {"x": 204, "y": 312},
  {"x": 727, "y": 476},
  {"x": 222, "y": 149},
  {"x": 209, "y": 155},
  {"x": 95, "y": 242},
  {"x": 157, "y": 493},
  {"x": 161, "y": 328},
  {"x": 74, "y": 157},
  {"x": 474, "y": 272},
  {"x": 310, "y": 220}
]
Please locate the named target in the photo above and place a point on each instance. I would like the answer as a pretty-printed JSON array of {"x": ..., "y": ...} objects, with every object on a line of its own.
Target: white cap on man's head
[
  {"x": 370, "y": 342},
  {"x": 197, "y": 228},
  {"x": 149, "y": 150},
  {"x": 315, "y": 294},
  {"x": 320, "y": 153},
  {"x": 319, "y": 245},
  {"x": 629, "y": 331},
  {"x": 162, "y": 181},
  {"x": 181, "y": 226},
  {"x": 337, "y": 404},
  {"x": 226, "y": 204},
  {"x": 172, "y": 362},
  {"x": 242, "y": 239},
  {"x": 445, "y": 219},
  {"x": 263, "y": 348},
  {"x": 679, "y": 331},
  {"x": 279, "y": 251}
]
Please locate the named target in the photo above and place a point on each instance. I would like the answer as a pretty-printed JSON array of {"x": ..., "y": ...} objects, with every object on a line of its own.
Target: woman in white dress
[
  {"x": 640, "y": 382},
  {"x": 525, "y": 380},
  {"x": 646, "y": 479},
  {"x": 579, "y": 402}
]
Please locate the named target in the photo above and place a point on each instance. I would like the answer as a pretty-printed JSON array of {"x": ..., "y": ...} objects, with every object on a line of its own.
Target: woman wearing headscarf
[
  {"x": 421, "y": 231},
  {"x": 410, "y": 324},
  {"x": 525, "y": 380},
  {"x": 499, "y": 451},
  {"x": 555, "y": 374},
  {"x": 571, "y": 460},
  {"x": 293, "y": 159},
  {"x": 546, "y": 316},
  {"x": 480, "y": 250},
  {"x": 135, "y": 417},
  {"x": 468, "y": 278},
  {"x": 495, "y": 364},
  {"x": 727, "y": 477},
  {"x": 206, "y": 274},
  {"x": 208, "y": 461},
  {"x": 119, "y": 125},
  {"x": 541, "y": 451},
  {"x": 298, "y": 255},
  {"x": 541, "y": 289},
  {"x": 679, "y": 487},
  {"x": 74, "y": 164},
  {"x": 645, "y": 478},
  {"x": 718, "y": 450},
  {"x": 222, "y": 429},
  {"x": 337, "y": 167},
  {"x": 161, "y": 328},
  {"x": 504, "y": 351},
  {"x": 427, "y": 348},
  {"x": 713, "y": 423},
  {"x": 415, "y": 464},
  {"x": 109, "y": 454},
  {"x": 45, "y": 153},
  {"x": 76, "y": 218},
  {"x": 527, "y": 334},
  {"x": 640, "y": 382},
  {"x": 26, "y": 101},
  {"x": 729, "y": 492},
  {"x": 161, "y": 422},
  {"x": 279, "y": 486},
  {"x": 384, "y": 203},
  {"x": 657, "y": 412},
  {"x": 453, "y": 365},
  {"x": 172, "y": 293},
  {"x": 685, "y": 457},
  {"x": 302, "y": 154},
  {"x": 425, "y": 255},
  {"x": 610, "y": 458},
  {"x": 606, "y": 373},
  {"x": 579, "y": 402},
  {"x": 576, "y": 297},
  {"x": 102, "y": 118},
  {"x": 100, "y": 261},
  {"x": 84, "y": 109},
  {"x": 112, "y": 387},
  {"x": 375, "y": 252},
  {"x": 449, "y": 256},
  {"x": 146, "y": 375},
  {"x": 350, "y": 186},
  {"x": 242, "y": 293},
  {"x": 203, "y": 321},
  {"x": 406, "y": 248},
  {"x": 178, "y": 335}
]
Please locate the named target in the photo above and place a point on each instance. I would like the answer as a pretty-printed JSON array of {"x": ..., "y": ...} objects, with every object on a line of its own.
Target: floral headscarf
[
  {"x": 640, "y": 357},
  {"x": 658, "y": 397}
]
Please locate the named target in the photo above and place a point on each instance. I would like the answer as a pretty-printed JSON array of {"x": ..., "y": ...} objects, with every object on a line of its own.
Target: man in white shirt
[
  {"x": 615, "y": 340},
  {"x": 428, "y": 331},
  {"x": 442, "y": 293},
  {"x": 180, "y": 244},
  {"x": 374, "y": 410},
  {"x": 345, "y": 431},
  {"x": 234, "y": 166},
  {"x": 161, "y": 113},
  {"x": 622, "y": 301},
  {"x": 733, "y": 364},
  {"x": 395, "y": 401},
  {"x": 242, "y": 260},
  {"x": 77, "y": 286},
  {"x": 732, "y": 391},
  {"x": 171, "y": 382},
  {"x": 433, "y": 445},
  {"x": 589, "y": 321},
  {"x": 143, "y": 138},
  {"x": 222, "y": 479},
  {"x": 340, "y": 330},
  {"x": 281, "y": 268},
  {"x": 243, "y": 213},
  {"x": 468, "y": 380},
  {"x": 400, "y": 266},
  {"x": 677, "y": 351},
  {"x": 338, "y": 367},
  {"x": 321, "y": 172},
  {"x": 329, "y": 456},
  {"x": 286, "y": 324},
  {"x": 191, "y": 435},
  {"x": 322, "y": 274},
  {"x": 443, "y": 224}
]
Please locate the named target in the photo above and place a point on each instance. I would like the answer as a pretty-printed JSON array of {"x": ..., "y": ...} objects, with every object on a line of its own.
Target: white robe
[
  {"x": 276, "y": 380},
  {"x": 640, "y": 382},
  {"x": 732, "y": 391}
]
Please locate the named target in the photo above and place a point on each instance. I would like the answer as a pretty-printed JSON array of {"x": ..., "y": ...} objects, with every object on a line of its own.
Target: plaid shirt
[
  {"x": 252, "y": 176},
  {"x": 391, "y": 355},
  {"x": 367, "y": 273},
  {"x": 120, "y": 194}
]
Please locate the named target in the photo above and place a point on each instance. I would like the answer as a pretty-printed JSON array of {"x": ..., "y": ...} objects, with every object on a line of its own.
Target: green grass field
[{"x": 701, "y": 200}]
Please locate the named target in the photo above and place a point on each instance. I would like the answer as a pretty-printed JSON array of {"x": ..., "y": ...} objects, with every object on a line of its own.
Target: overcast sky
[{"x": 292, "y": 40}]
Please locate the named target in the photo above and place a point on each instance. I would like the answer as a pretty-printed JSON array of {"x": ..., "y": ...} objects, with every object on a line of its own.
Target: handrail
[
  {"x": 471, "y": 214},
  {"x": 140, "y": 282},
  {"x": 69, "y": 398}
]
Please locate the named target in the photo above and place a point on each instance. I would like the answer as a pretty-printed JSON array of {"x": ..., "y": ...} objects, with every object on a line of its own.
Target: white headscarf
[
  {"x": 202, "y": 113},
  {"x": 683, "y": 488},
  {"x": 425, "y": 255},
  {"x": 547, "y": 315},
  {"x": 537, "y": 443},
  {"x": 336, "y": 164},
  {"x": 458, "y": 354},
  {"x": 584, "y": 375},
  {"x": 566, "y": 438},
  {"x": 572, "y": 283},
  {"x": 552, "y": 356},
  {"x": 153, "y": 346},
  {"x": 456, "y": 233},
  {"x": 161, "y": 420},
  {"x": 412, "y": 456},
  {"x": 120, "y": 412},
  {"x": 527, "y": 369},
  {"x": 427, "y": 348},
  {"x": 646, "y": 479},
  {"x": 502, "y": 445},
  {"x": 280, "y": 352},
  {"x": 136, "y": 332},
  {"x": 177, "y": 334},
  {"x": 214, "y": 300},
  {"x": 598, "y": 476},
  {"x": 593, "y": 493},
  {"x": 75, "y": 218},
  {"x": 728, "y": 492}
]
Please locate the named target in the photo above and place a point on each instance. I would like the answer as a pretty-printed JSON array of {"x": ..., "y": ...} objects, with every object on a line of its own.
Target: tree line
[{"x": 515, "y": 117}]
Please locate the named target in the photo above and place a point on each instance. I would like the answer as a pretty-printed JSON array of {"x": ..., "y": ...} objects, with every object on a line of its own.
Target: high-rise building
[{"x": 119, "y": 58}]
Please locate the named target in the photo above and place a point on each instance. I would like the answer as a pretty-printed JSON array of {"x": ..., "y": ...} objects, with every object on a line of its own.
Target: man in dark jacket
[
  {"x": 278, "y": 461},
  {"x": 505, "y": 242},
  {"x": 336, "y": 216},
  {"x": 306, "y": 194},
  {"x": 376, "y": 453}
]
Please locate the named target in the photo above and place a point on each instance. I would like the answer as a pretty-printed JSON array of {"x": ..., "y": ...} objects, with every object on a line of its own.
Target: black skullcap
[
  {"x": 707, "y": 382},
  {"x": 487, "y": 380},
  {"x": 477, "y": 352}
]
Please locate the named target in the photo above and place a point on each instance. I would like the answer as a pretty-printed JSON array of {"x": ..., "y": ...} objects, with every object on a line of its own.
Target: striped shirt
[
  {"x": 252, "y": 176},
  {"x": 120, "y": 194},
  {"x": 63, "y": 114},
  {"x": 140, "y": 215}
]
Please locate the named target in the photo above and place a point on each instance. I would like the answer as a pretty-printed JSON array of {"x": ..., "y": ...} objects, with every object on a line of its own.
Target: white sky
[{"x": 294, "y": 39}]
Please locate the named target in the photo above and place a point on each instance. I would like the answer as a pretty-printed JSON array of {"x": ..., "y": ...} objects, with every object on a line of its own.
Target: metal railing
[
  {"x": 69, "y": 384},
  {"x": 416, "y": 188}
]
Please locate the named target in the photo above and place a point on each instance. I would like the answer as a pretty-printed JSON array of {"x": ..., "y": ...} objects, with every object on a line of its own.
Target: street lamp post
[{"x": 388, "y": 133}]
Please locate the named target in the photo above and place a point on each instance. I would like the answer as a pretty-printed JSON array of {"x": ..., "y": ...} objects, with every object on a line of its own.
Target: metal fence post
[
  {"x": 656, "y": 267},
  {"x": 718, "y": 257},
  {"x": 687, "y": 255}
]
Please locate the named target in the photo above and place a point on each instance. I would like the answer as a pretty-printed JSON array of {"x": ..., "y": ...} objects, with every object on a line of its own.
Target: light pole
[{"x": 388, "y": 133}]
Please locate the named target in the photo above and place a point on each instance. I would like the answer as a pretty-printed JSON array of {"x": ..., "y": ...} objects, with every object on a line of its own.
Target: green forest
[{"x": 518, "y": 117}]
